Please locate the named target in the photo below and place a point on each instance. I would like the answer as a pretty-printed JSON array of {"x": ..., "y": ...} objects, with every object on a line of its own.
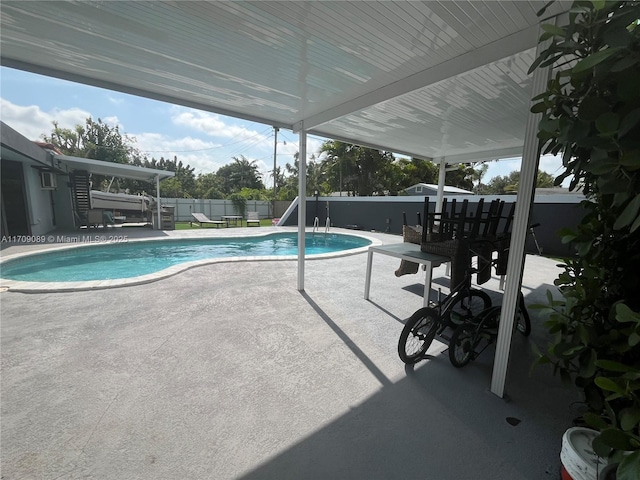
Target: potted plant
[{"x": 590, "y": 114}]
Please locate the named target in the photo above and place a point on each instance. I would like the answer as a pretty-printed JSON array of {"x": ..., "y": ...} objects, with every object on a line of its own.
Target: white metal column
[
  {"x": 302, "y": 204},
  {"x": 515, "y": 265},
  {"x": 159, "y": 222}
]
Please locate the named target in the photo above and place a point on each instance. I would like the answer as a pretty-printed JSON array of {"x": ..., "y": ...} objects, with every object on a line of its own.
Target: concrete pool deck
[{"x": 226, "y": 371}]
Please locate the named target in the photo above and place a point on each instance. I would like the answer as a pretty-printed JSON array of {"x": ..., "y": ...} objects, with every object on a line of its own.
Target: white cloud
[
  {"x": 115, "y": 100},
  {"x": 112, "y": 122},
  {"x": 32, "y": 122},
  {"x": 196, "y": 152},
  {"x": 551, "y": 164},
  {"x": 211, "y": 124}
]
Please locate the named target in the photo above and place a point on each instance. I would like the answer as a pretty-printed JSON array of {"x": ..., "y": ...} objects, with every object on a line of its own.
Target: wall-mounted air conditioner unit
[{"x": 48, "y": 180}]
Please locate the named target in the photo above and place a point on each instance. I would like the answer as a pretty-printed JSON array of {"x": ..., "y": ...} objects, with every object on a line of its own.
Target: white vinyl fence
[{"x": 214, "y": 209}]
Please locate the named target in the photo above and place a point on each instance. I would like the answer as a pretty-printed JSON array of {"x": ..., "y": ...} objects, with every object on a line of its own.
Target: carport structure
[
  {"x": 440, "y": 80},
  {"x": 111, "y": 169}
]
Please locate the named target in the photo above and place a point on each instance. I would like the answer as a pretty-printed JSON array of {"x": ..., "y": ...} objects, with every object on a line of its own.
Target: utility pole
[{"x": 275, "y": 149}]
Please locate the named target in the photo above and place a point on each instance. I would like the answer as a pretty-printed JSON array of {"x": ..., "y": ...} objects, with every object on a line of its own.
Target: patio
[{"x": 227, "y": 371}]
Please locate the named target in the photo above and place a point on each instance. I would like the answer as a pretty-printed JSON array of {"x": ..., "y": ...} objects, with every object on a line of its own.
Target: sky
[{"x": 29, "y": 103}]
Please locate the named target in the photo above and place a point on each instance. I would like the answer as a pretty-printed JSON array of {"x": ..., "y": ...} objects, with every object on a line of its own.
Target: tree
[
  {"x": 209, "y": 185},
  {"x": 460, "y": 176},
  {"x": 99, "y": 141},
  {"x": 479, "y": 171},
  {"x": 358, "y": 170},
  {"x": 239, "y": 174},
  {"x": 417, "y": 170},
  {"x": 590, "y": 112},
  {"x": 508, "y": 184},
  {"x": 338, "y": 165},
  {"x": 94, "y": 140},
  {"x": 184, "y": 178}
]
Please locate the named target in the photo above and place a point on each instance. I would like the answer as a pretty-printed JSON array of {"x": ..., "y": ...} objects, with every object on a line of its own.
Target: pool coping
[{"x": 22, "y": 286}]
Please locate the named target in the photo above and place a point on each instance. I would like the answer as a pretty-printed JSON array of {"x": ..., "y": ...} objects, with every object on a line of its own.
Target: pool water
[{"x": 126, "y": 260}]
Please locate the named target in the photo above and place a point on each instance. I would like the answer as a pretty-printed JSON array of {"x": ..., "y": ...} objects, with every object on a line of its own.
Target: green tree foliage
[
  {"x": 100, "y": 141},
  {"x": 479, "y": 171},
  {"x": 416, "y": 170},
  {"x": 356, "y": 170},
  {"x": 462, "y": 177},
  {"x": 209, "y": 185},
  {"x": 508, "y": 184},
  {"x": 315, "y": 179},
  {"x": 590, "y": 113},
  {"x": 241, "y": 173},
  {"x": 184, "y": 181},
  {"x": 95, "y": 140}
]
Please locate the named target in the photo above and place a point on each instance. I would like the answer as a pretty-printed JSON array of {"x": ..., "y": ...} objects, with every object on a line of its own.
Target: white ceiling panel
[{"x": 425, "y": 78}]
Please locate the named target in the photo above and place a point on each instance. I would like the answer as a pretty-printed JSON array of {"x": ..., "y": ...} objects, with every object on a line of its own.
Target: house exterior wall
[
  {"x": 63, "y": 204},
  {"x": 419, "y": 190},
  {"x": 39, "y": 208}
]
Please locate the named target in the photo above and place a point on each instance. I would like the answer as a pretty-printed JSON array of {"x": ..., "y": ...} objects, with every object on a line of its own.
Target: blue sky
[{"x": 29, "y": 103}]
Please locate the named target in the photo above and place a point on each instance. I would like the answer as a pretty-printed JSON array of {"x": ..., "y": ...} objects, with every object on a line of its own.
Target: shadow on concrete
[
  {"x": 395, "y": 317},
  {"x": 357, "y": 351},
  {"x": 438, "y": 422}
]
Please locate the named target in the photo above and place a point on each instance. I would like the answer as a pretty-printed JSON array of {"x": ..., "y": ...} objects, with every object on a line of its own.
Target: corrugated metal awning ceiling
[{"x": 430, "y": 79}]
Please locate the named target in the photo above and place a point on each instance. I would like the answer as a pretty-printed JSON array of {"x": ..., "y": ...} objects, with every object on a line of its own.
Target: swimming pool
[{"x": 149, "y": 260}]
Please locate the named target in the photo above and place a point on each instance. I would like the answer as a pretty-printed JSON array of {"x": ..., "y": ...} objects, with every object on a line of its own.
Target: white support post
[
  {"x": 302, "y": 204},
  {"x": 442, "y": 173},
  {"x": 515, "y": 265},
  {"x": 158, "y": 223}
]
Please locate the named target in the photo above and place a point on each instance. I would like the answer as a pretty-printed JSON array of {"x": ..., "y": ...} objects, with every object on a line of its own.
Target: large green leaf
[
  {"x": 635, "y": 225},
  {"x": 608, "y": 122},
  {"x": 629, "y": 214},
  {"x": 629, "y": 418},
  {"x": 629, "y": 122},
  {"x": 625, "y": 315},
  {"x": 539, "y": 107},
  {"x": 612, "y": 184},
  {"x": 553, "y": 29},
  {"x": 602, "y": 167},
  {"x": 609, "y": 385},
  {"x": 613, "y": 366},
  {"x": 594, "y": 59},
  {"x": 617, "y": 439},
  {"x": 629, "y": 468},
  {"x": 630, "y": 160}
]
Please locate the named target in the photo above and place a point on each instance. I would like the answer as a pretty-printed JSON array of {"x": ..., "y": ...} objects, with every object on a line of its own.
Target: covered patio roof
[
  {"x": 111, "y": 169},
  {"x": 428, "y": 79},
  {"x": 445, "y": 80}
]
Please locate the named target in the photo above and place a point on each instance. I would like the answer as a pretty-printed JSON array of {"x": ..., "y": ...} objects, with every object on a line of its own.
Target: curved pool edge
[{"x": 59, "y": 287}]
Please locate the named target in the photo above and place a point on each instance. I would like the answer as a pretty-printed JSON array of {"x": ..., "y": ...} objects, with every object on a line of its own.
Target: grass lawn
[{"x": 264, "y": 222}]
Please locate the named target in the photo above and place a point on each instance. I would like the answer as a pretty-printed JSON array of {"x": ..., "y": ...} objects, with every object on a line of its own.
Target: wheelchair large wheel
[{"x": 417, "y": 335}]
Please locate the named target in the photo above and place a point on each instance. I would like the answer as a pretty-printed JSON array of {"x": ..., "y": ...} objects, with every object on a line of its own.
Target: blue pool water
[{"x": 126, "y": 260}]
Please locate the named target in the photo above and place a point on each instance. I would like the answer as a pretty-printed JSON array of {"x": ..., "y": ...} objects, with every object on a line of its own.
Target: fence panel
[{"x": 212, "y": 208}]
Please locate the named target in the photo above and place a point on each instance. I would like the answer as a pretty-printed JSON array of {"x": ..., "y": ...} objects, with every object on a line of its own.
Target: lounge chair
[
  {"x": 253, "y": 218},
  {"x": 202, "y": 219}
]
